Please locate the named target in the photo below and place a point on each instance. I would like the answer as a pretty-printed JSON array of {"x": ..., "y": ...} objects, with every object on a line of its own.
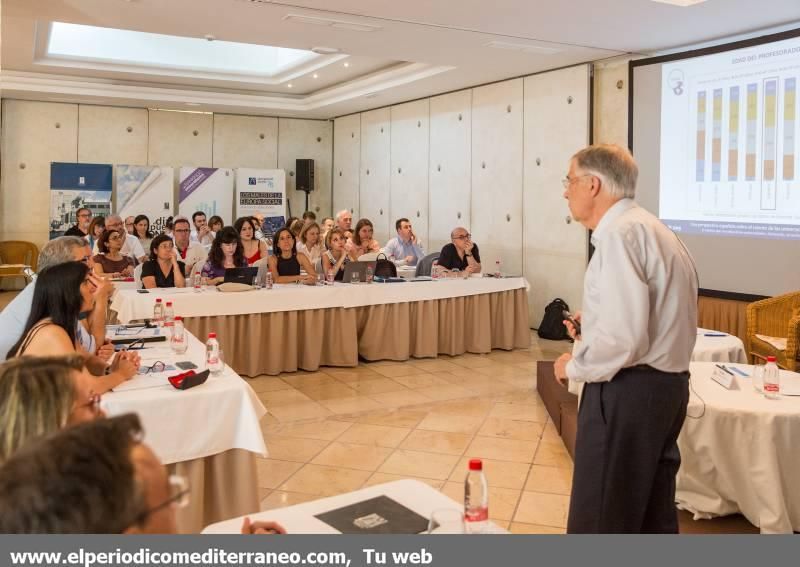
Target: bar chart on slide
[{"x": 728, "y": 145}]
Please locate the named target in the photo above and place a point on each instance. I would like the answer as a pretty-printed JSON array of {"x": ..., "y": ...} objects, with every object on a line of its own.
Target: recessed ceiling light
[
  {"x": 681, "y": 3},
  {"x": 315, "y": 76},
  {"x": 322, "y": 50},
  {"x": 337, "y": 24},
  {"x": 289, "y": 85},
  {"x": 346, "y": 64}
]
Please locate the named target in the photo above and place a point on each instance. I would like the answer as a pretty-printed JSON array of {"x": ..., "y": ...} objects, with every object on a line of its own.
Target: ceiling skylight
[{"x": 141, "y": 49}]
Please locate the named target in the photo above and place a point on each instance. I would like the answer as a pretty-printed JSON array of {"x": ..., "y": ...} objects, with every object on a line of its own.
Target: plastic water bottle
[
  {"x": 169, "y": 318},
  {"x": 368, "y": 274},
  {"x": 435, "y": 270},
  {"x": 772, "y": 380},
  {"x": 178, "y": 340},
  {"x": 476, "y": 498},
  {"x": 268, "y": 280},
  {"x": 212, "y": 354},
  {"x": 158, "y": 313},
  {"x": 497, "y": 272},
  {"x": 197, "y": 283}
]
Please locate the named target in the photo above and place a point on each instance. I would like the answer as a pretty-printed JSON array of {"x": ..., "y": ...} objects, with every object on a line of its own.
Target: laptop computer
[
  {"x": 240, "y": 275},
  {"x": 359, "y": 268}
]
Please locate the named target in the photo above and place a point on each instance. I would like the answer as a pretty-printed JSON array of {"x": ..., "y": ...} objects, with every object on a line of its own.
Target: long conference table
[
  {"x": 293, "y": 327},
  {"x": 210, "y": 433}
]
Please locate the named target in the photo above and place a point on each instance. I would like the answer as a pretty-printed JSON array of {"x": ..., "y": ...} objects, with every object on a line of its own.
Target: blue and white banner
[
  {"x": 145, "y": 190},
  {"x": 74, "y": 186},
  {"x": 262, "y": 192}
]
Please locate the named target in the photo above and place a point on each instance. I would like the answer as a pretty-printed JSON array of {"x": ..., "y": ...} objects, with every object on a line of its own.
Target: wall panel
[
  {"x": 180, "y": 139},
  {"x": 245, "y": 141},
  {"x": 34, "y": 134},
  {"x": 554, "y": 245},
  {"x": 112, "y": 135},
  {"x": 450, "y": 175},
  {"x": 375, "y": 177},
  {"x": 497, "y": 174},
  {"x": 409, "y": 167},
  {"x": 346, "y": 163},
  {"x": 307, "y": 139}
]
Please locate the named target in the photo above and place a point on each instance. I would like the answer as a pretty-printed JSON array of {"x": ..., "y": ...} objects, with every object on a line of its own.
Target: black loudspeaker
[{"x": 305, "y": 175}]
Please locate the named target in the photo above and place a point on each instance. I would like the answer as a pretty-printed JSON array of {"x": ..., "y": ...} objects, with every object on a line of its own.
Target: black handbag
[{"x": 384, "y": 267}]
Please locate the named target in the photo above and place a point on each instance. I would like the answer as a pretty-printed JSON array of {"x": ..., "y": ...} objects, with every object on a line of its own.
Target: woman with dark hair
[
  {"x": 252, "y": 248},
  {"x": 215, "y": 224},
  {"x": 362, "y": 241},
  {"x": 62, "y": 293},
  {"x": 96, "y": 228},
  {"x": 163, "y": 269},
  {"x": 141, "y": 230},
  {"x": 111, "y": 261},
  {"x": 285, "y": 264},
  {"x": 226, "y": 252}
]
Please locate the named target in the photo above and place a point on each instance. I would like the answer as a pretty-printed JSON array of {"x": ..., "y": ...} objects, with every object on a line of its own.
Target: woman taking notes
[{"x": 285, "y": 264}]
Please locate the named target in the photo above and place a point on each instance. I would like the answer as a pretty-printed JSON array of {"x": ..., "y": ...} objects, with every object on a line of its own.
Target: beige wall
[
  {"x": 611, "y": 102},
  {"x": 37, "y": 133}
]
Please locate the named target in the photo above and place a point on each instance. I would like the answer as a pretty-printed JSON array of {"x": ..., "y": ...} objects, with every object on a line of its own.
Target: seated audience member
[
  {"x": 226, "y": 252},
  {"x": 335, "y": 257},
  {"x": 258, "y": 222},
  {"x": 111, "y": 261},
  {"x": 96, "y": 229},
  {"x": 461, "y": 254},
  {"x": 62, "y": 293},
  {"x": 404, "y": 249},
  {"x": 285, "y": 264},
  {"x": 163, "y": 269},
  {"x": 95, "y": 478},
  {"x": 309, "y": 217},
  {"x": 168, "y": 224},
  {"x": 132, "y": 247},
  {"x": 310, "y": 243},
  {"x": 201, "y": 232},
  {"x": 190, "y": 252},
  {"x": 344, "y": 220},
  {"x": 253, "y": 249},
  {"x": 362, "y": 242},
  {"x": 91, "y": 336},
  {"x": 41, "y": 395},
  {"x": 81, "y": 227},
  {"x": 141, "y": 230},
  {"x": 129, "y": 222},
  {"x": 325, "y": 227},
  {"x": 296, "y": 227},
  {"x": 215, "y": 224}
]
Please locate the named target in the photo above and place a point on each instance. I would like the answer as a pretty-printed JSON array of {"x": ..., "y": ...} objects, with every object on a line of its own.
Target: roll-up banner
[
  {"x": 74, "y": 186},
  {"x": 262, "y": 192},
  {"x": 145, "y": 190},
  {"x": 206, "y": 189}
]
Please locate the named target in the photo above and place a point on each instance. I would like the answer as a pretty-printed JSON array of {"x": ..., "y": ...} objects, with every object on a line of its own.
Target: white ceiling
[{"x": 421, "y": 47}]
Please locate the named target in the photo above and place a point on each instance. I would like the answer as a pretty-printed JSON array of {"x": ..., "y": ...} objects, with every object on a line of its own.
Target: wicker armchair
[
  {"x": 775, "y": 317},
  {"x": 15, "y": 256}
]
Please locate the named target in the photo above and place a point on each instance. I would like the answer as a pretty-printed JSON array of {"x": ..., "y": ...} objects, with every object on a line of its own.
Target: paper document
[{"x": 777, "y": 342}]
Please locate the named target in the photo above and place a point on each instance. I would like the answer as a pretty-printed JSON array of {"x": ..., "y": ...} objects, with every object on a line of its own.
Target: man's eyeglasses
[
  {"x": 85, "y": 215},
  {"x": 179, "y": 496},
  {"x": 566, "y": 182},
  {"x": 181, "y": 230},
  {"x": 462, "y": 237}
]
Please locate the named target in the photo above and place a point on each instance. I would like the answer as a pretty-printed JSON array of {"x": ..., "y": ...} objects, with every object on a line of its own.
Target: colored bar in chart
[
  {"x": 770, "y": 141},
  {"x": 752, "y": 124},
  {"x": 716, "y": 134},
  {"x": 701, "y": 136},
  {"x": 789, "y": 113},
  {"x": 733, "y": 135}
]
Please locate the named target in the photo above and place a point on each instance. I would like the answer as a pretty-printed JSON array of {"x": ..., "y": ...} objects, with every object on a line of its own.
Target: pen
[
  {"x": 721, "y": 367},
  {"x": 715, "y": 335}
]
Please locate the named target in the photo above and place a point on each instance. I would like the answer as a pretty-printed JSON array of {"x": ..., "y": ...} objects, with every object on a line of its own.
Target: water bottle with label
[
  {"x": 435, "y": 270},
  {"x": 197, "y": 282},
  {"x": 213, "y": 362},
  {"x": 476, "y": 499},
  {"x": 497, "y": 272},
  {"x": 368, "y": 274},
  {"x": 158, "y": 313},
  {"x": 169, "y": 319},
  {"x": 178, "y": 340},
  {"x": 772, "y": 379},
  {"x": 268, "y": 280}
]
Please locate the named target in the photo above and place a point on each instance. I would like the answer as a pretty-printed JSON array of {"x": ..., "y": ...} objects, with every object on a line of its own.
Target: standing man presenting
[{"x": 638, "y": 330}]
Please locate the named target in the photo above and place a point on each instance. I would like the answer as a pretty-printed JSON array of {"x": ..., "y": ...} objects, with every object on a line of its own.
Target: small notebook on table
[{"x": 379, "y": 515}]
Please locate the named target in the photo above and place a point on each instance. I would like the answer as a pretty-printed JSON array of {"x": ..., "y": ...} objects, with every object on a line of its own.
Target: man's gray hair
[
  {"x": 613, "y": 164},
  {"x": 59, "y": 251},
  {"x": 113, "y": 217},
  {"x": 341, "y": 213}
]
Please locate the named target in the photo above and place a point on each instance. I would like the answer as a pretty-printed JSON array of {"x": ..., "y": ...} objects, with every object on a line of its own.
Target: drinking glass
[
  {"x": 320, "y": 278},
  {"x": 354, "y": 278},
  {"x": 758, "y": 377},
  {"x": 446, "y": 521}
]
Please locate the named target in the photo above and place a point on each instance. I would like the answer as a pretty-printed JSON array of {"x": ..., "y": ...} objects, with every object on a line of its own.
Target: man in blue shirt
[{"x": 404, "y": 249}]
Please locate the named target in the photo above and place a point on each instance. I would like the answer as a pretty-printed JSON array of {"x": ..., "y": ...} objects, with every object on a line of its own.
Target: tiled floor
[{"x": 340, "y": 429}]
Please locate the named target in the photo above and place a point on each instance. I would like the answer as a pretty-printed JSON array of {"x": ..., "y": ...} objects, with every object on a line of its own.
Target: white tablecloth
[
  {"x": 299, "y": 519},
  {"x": 182, "y": 425},
  {"x": 131, "y": 305},
  {"x": 739, "y": 452},
  {"x": 712, "y": 348}
]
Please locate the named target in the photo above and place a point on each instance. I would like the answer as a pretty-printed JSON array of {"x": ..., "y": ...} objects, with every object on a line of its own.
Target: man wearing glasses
[
  {"x": 190, "y": 252},
  {"x": 461, "y": 254},
  {"x": 81, "y": 228}
]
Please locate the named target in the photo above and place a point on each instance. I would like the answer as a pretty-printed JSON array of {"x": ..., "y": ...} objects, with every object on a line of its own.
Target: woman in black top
[
  {"x": 163, "y": 269},
  {"x": 285, "y": 264}
]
